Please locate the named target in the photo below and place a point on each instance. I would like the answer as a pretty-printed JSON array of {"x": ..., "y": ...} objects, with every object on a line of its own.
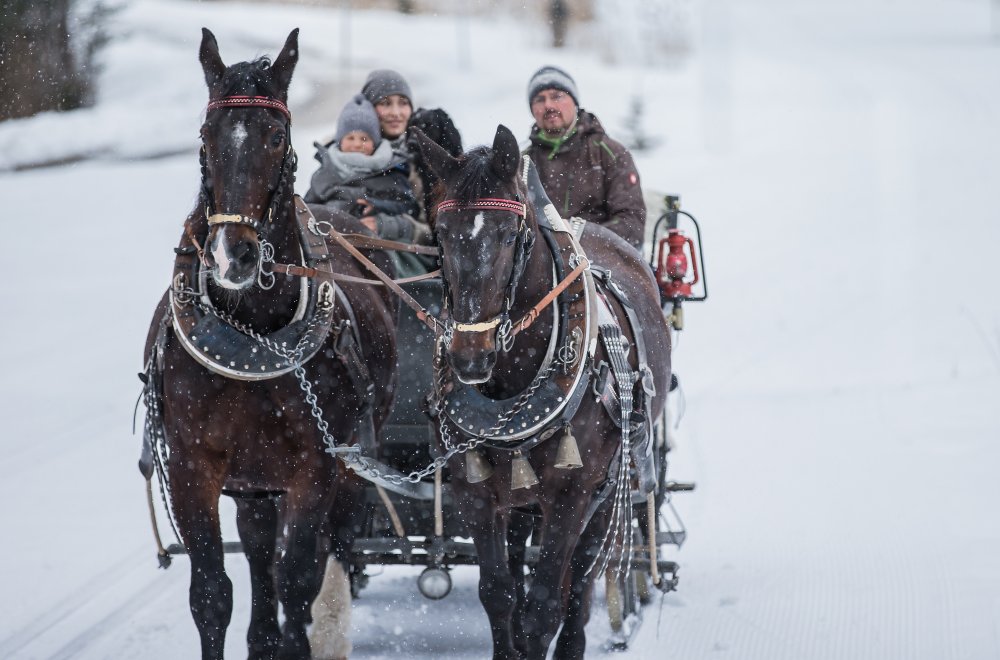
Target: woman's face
[{"x": 393, "y": 113}]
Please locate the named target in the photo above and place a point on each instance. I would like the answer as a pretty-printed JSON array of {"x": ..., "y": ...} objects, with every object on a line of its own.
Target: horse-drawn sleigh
[{"x": 539, "y": 355}]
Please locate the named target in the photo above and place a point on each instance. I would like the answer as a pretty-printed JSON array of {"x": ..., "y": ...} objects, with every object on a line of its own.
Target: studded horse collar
[{"x": 224, "y": 349}]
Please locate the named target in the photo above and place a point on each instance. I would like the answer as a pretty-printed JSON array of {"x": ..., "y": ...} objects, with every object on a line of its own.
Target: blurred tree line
[{"x": 47, "y": 54}]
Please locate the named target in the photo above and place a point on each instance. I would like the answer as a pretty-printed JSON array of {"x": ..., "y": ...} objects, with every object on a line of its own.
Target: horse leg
[
  {"x": 331, "y": 614},
  {"x": 196, "y": 510},
  {"x": 257, "y": 522},
  {"x": 331, "y": 611},
  {"x": 521, "y": 525},
  {"x": 572, "y": 641},
  {"x": 298, "y": 568},
  {"x": 545, "y": 602},
  {"x": 497, "y": 587}
]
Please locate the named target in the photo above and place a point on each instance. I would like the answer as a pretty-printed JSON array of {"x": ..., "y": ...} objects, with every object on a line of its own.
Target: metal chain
[
  {"x": 294, "y": 356},
  {"x": 153, "y": 425},
  {"x": 361, "y": 464}
]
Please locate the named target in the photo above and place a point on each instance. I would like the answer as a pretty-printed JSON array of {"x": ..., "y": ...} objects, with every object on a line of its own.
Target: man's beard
[{"x": 553, "y": 130}]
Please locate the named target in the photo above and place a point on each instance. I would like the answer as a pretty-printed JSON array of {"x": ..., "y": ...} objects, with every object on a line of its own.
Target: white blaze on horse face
[
  {"x": 223, "y": 261},
  {"x": 477, "y": 224},
  {"x": 238, "y": 136}
]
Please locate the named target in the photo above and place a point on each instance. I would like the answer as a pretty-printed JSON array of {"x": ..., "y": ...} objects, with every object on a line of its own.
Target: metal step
[
  {"x": 671, "y": 537},
  {"x": 228, "y": 547}
]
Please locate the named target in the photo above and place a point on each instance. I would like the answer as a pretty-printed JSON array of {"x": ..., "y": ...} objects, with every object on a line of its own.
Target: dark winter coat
[
  {"x": 591, "y": 176},
  {"x": 382, "y": 179},
  {"x": 438, "y": 126}
]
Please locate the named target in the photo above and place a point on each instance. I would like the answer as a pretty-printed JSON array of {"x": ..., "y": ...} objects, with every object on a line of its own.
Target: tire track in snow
[
  {"x": 79, "y": 617},
  {"x": 75, "y": 437}
]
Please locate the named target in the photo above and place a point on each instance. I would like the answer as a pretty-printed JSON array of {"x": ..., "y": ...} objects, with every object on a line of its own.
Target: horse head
[
  {"x": 247, "y": 158},
  {"x": 485, "y": 238}
]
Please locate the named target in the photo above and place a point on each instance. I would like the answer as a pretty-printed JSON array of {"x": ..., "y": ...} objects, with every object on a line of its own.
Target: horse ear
[
  {"x": 284, "y": 64},
  {"x": 442, "y": 163},
  {"x": 506, "y": 155},
  {"x": 211, "y": 62}
]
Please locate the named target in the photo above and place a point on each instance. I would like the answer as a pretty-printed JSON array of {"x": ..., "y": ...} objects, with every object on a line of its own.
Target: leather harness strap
[
  {"x": 422, "y": 314},
  {"x": 522, "y": 324},
  {"x": 525, "y": 321},
  {"x": 372, "y": 243},
  {"x": 244, "y": 101},
  {"x": 304, "y": 271}
]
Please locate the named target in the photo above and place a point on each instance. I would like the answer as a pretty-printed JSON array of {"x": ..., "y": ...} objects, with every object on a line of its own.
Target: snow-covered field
[{"x": 842, "y": 382}]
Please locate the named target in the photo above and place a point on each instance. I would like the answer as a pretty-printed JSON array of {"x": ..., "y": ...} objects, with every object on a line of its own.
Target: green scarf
[{"x": 557, "y": 142}]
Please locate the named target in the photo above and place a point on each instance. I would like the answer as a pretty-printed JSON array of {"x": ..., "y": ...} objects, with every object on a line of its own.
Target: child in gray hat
[{"x": 360, "y": 173}]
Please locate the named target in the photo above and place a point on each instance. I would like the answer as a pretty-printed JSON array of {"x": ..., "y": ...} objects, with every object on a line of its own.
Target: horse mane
[
  {"x": 249, "y": 78},
  {"x": 475, "y": 177}
]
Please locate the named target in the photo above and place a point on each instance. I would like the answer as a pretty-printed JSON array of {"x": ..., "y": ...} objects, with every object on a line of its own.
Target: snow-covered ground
[{"x": 842, "y": 382}]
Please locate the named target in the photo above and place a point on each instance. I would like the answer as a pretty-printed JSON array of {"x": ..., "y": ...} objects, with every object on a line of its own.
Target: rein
[
  {"x": 351, "y": 243},
  {"x": 525, "y": 321},
  {"x": 294, "y": 270},
  {"x": 422, "y": 314}
]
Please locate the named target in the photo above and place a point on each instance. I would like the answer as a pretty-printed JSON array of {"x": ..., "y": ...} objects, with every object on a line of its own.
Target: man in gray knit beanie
[
  {"x": 550, "y": 77},
  {"x": 585, "y": 173}
]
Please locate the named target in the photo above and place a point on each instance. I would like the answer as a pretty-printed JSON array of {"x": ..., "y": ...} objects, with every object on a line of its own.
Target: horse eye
[
  {"x": 510, "y": 239},
  {"x": 278, "y": 139}
]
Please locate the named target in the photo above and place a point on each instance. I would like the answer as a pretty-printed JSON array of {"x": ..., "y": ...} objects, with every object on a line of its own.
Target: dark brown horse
[
  {"x": 237, "y": 352},
  {"x": 507, "y": 396}
]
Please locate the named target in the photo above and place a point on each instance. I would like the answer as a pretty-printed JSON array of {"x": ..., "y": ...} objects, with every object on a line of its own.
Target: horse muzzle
[
  {"x": 234, "y": 256},
  {"x": 472, "y": 357}
]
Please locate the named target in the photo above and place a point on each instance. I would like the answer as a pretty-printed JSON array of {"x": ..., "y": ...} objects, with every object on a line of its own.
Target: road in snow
[{"x": 841, "y": 383}]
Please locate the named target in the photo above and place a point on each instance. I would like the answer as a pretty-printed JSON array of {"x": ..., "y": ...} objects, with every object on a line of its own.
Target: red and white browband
[
  {"x": 485, "y": 204},
  {"x": 250, "y": 102}
]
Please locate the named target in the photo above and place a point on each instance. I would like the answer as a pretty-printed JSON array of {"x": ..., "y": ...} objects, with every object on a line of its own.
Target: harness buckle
[
  {"x": 648, "y": 384},
  {"x": 324, "y": 297},
  {"x": 315, "y": 226},
  {"x": 504, "y": 336},
  {"x": 601, "y": 373}
]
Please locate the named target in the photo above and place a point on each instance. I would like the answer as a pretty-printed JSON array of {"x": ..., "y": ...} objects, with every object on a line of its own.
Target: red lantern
[{"x": 673, "y": 266}]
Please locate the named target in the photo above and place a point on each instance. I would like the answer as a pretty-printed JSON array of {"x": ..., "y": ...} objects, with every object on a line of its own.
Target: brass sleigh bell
[
  {"x": 568, "y": 454},
  {"x": 477, "y": 468},
  {"x": 521, "y": 473}
]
